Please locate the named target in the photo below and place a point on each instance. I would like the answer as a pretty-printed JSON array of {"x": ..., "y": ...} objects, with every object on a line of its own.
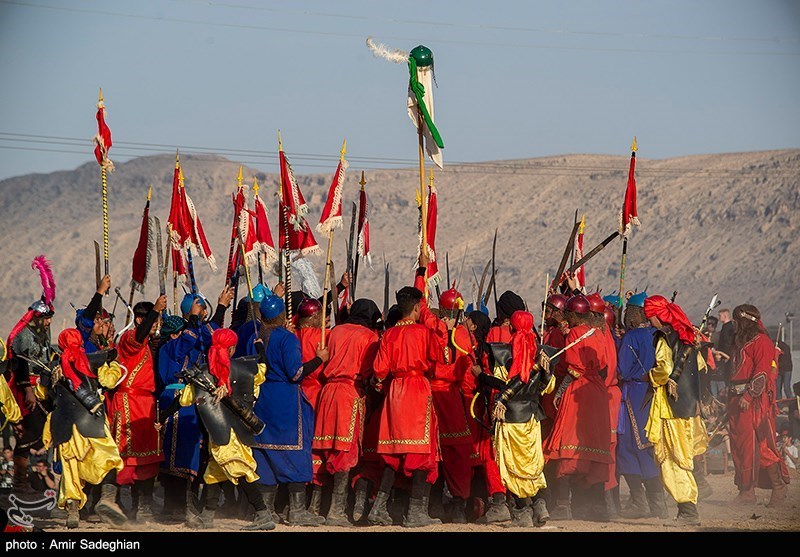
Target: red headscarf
[
  {"x": 73, "y": 356},
  {"x": 219, "y": 361},
  {"x": 523, "y": 345},
  {"x": 670, "y": 314}
]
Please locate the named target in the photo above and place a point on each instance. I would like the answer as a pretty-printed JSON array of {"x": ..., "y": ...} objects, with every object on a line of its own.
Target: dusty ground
[{"x": 716, "y": 512}]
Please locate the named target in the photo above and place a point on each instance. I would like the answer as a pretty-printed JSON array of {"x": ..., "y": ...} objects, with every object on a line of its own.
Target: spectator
[
  {"x": 788, "y": 449},
  {"x": 784, "y": 371},
  {"x": 6, "y": 471},
  {"x": 724, "y": 344},
  {"x": 42, "y": 479}
]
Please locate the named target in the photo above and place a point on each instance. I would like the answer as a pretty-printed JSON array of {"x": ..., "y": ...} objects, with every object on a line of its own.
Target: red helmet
[
  {"x": 578, "y": 304},
  {"x": 611, "y": 316},
  {"x": 451, "y": 300},
  {"x": 596, "y": 303},
  {"x": 309, "y": 307},
  {"x": 557, "y": 301}
]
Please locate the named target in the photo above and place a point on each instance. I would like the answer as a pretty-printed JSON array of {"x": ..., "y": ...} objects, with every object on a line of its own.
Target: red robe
[
  {"x": 132, "y": 411},
  {"x": 310, "y": 337},
  {"x": 614, "y": 400},
  {"x": 499, "y": 333},
  {"x": 555, "y": 337},
  {"x": 752, "y": 430},
  {"x": 407, "y": 354},
  {"x": 339, "y": 423},
  {"x": 580, "y": 441}
]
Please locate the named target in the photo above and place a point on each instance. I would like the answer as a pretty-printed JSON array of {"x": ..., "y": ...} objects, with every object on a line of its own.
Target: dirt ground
[{"x": 716, "y": 512}]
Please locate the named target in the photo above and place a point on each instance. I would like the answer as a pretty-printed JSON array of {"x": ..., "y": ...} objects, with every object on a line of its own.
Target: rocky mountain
[{"x": 723, "y": 223}]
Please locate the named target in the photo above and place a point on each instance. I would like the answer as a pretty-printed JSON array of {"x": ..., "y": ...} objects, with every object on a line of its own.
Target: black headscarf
[
  {"x": 507, "y": 304},
  {"x": 365, "y": 312},
  {"x": 482, "y": 326}
]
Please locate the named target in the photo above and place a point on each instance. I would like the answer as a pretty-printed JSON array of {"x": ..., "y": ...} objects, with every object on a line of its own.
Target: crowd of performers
[{"x": 415, "y": 417}]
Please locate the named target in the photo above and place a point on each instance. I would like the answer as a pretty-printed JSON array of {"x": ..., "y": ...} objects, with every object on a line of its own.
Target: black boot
[
  {"x": 107, "y": 507},
  {"x": 263, "y": 517},
  {"x": 316, "y": 500},
  {"x": 497, "y": 511},
  {"x": 299, "y": 515},
  {"x": 144, "y": 507},
  {"x": 205, "y": 518},
  {"x": 637, "y": 506},
  {"x": 458, "y": 511},
  {"x": 360, "y": 501},
  {"x": 379, "y": 513},
  {"x": 704, "y": 490},
  {"x": 521, "y": 513},
  {"x": 687, "y": 516},
  {"x": 417, "y": 515},
  {"x": 268, "y": 493},
  {"x": 598, "y": 509},
  {"x": 336, "y": 513},
  {"x": 540, "y": 513},
  {"x": 655, "y": 498}
]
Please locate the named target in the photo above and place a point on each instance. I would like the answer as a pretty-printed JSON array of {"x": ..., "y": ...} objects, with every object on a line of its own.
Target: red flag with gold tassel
[
  {"x": 141, "y": 257},
  {"x": 433, "y": 209},
  {"x": 264, "y": 243},
  {"x": 299, "y": 233},
  {"x": 103, "y": 138},
  {"x": 629, "y": 215}
]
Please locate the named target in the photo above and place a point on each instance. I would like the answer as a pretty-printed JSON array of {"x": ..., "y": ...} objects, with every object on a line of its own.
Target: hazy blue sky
[{"x": 516, "y": 79}]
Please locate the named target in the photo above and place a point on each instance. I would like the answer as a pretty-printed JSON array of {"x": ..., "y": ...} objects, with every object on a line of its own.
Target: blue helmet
[
  {"x": 470, "y": 308},
  {"x": 637, "y": 299},
  {"x": 613, "y": 299},
  {"x": 259, "y": 293},
  {"x": 271, "y": 306}
]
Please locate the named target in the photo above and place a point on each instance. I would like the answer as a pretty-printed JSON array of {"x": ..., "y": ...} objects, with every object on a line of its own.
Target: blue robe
[
  {"x": 245, "y": 331},
  {"x": 636, "y": 357},
  {"x": 283, "y": 449},
  {"x": 182, "y": 432}
]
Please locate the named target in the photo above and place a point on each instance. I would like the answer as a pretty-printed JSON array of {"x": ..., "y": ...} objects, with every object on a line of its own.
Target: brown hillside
[{"x": 713, "y": 223}]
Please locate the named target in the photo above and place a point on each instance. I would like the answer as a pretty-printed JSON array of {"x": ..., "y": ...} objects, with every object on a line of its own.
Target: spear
[
  {"x": 544, "y": 303},
  {"x": 350, "y": 245},
  {"x": 286, "y": 259},
  {"x": 363, "y": 182},
  {"x": 103, "y": 140}
]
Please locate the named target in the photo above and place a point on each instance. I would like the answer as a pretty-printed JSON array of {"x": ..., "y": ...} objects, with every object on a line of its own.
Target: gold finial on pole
[
  {"x": 255, "y": 186},
  {"x": 362, "y": 181},
  {"x": 344, "y": 147},
  {"x": 280, "y": 142},
  {"x": 100, "y": 96},
  {"x": 239, "y": 178},
  {"x": 633, "y": 145},
  {"x": 149, "y": 192},
  {"x": 430, "y": 179},
  {"x": 177, "y": 159}
]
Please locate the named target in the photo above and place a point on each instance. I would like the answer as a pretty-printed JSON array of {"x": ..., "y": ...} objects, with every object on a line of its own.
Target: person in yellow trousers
[
  {"x": 230, "y": 432},
  {"x": 675, "y": 426},
  {"x": 78, "y": 427}
]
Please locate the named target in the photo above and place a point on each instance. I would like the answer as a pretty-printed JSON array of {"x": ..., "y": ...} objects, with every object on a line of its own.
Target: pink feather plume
[{"x": 46, "y": 275}]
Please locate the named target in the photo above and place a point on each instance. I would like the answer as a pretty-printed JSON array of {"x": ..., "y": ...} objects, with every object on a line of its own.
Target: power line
[
  {"x": 405, "y": 39},
  {"x": 455, "y": 167}
]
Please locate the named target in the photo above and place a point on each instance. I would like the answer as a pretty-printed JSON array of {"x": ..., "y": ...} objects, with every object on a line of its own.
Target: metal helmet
[
  {"x": 451, "y": 300},
  {"x": 271, "y": 307},
  {"x": 613, "y": 299},
  {"x": 42, "y": 309},
  {"x": 557, "y": 301},
  {"x": 483, "y": 309},
  {"x": 637, "y": 299},
  {"x": 422, "y": 55},
  {"x": 596, "y": 303},
  {"x": 308, "y": 307},
  {"x": 259, "y": 293},
  {"x": 578, "y": 304},
  {"x": 610, "y": 315}
]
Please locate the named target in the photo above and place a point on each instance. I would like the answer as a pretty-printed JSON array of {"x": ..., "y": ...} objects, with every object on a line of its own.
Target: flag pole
[
  {"x": 544, "y": 305},
  {"x": 287, "y": 285},
  {"x": 105, "y": 203},
  {"x": 625, "y": 243},
  {"x": 232, "y": 250},
  {"x": 255, "y": 194},
  {"x": 422, "y": 193},
  {"x": 363, "y": 182},
  {"x": 326, "y": 282}
]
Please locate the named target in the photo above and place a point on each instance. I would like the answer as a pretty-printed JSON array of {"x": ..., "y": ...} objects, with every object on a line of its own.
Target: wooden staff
[
  {"x": 544, "y": 303},
  {"x": 325, "y": 286},
  {"x": 422, "y": 193}
]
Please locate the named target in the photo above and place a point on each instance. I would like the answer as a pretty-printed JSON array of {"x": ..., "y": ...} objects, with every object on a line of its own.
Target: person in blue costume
[
  {"x": 283, "y": 449},
  {"x": 247, "y": 319},
  {"x": 180, "y": 426},
  {"x": 94, "y": 323},
  {"x": 635, "y": 459}
]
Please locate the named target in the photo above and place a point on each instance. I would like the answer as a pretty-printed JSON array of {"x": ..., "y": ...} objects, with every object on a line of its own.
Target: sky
[{"x": 515, "y": 79}]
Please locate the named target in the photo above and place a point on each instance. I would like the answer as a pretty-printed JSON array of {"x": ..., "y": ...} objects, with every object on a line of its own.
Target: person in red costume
[
  {"x": 455, "y": 437},
  {"x": 132, "y": 407},
  {"x": 507, "y": 304},
  {"x": 751, "y": 411},
  {"x": 408, "y": 438},
  {"x": 339, "y": 423},
  {"x": 580, "y": 441}
]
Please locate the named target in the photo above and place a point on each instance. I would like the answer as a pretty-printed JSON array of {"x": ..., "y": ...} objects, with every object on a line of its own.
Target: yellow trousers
[{"x": 231, "y": 462}]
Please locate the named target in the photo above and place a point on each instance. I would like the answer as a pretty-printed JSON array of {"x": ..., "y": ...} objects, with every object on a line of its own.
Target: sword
[
  {"x": 494, "y": 271},
  {"x": 558, "y": 278},
  {"x": 447, "y": 267},
  {"x": 595, "y": 251},
  {"x": 350, "y": 264},
  {"x": 385, "y": 286},
  {"x": 162, "y": 281},
  {"x": 97, "y": 273}
]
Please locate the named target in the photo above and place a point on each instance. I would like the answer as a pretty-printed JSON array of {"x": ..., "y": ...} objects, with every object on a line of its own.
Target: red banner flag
[
  {"x": 197, "y": 237},
  {"x": 233, "y": 256},
  {"x": 332, "y": 212},
  {"x": 433, "y": 207},
  {"x": 580, "y": 274},
  {"x": 264, "y": 244},
  {"x": 629, "y": 215},
  {"x": 141, "y": 257},
  {"x": 294, "y": 205},
  {"x": 103, "y": 138}
]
